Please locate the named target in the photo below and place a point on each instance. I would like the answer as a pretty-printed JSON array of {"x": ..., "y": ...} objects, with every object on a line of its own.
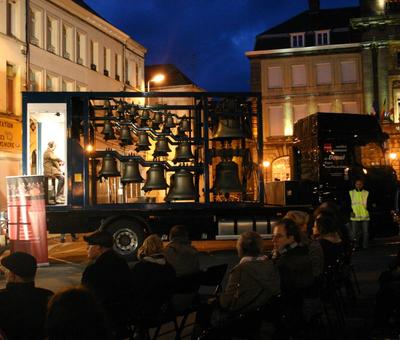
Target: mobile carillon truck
[{"x": 137, "y": 163}]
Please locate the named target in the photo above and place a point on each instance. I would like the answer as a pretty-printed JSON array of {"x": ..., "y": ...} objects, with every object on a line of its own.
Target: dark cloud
[{"x": 206, "y": 39}]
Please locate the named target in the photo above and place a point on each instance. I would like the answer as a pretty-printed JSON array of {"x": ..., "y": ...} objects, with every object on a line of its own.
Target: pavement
[{"x": 68, "y": 260}]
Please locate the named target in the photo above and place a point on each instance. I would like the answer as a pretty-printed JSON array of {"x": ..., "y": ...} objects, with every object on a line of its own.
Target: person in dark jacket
[
  {"x": 153, "y": 279},
  {"x": 107, "y": 277},
  {"x": 22, "y": 305}
]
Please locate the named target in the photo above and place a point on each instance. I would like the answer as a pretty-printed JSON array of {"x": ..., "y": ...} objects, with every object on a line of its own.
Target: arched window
[{"x": 281, "y": 169}]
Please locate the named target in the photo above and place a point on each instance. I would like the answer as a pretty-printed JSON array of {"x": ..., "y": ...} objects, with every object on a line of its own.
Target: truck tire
[{"x": 128, "y": 237}]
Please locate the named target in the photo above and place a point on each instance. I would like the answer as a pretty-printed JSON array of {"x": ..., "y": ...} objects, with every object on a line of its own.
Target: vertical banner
[{"x": 27, "y": 216}]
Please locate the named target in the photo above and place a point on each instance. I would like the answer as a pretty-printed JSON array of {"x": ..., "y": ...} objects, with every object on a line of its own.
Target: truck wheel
[{"x": 128, "y": 237}]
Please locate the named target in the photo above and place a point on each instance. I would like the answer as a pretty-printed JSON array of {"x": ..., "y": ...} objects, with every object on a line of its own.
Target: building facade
[
  {"x": 57, "y": 45},
  {"x": 324, "y": 60}
]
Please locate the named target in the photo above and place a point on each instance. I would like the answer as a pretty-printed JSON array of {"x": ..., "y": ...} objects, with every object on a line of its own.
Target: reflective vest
[{"x": 359, "y": 205}]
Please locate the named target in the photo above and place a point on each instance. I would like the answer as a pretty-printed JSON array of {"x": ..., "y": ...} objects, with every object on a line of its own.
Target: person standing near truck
[{"x": 359, "y": 215}]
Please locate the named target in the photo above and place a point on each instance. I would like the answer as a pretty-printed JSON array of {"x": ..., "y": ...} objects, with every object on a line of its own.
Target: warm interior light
[
  {"x": 393, "y": 155},
  {"x": 266, "y": 164},
  {"x": 89, "y": 148}
]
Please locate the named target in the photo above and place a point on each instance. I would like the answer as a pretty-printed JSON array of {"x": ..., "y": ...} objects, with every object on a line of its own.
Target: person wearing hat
[
  {"x": 107, "y": 276},
  {"x": 22, "y": 305}
]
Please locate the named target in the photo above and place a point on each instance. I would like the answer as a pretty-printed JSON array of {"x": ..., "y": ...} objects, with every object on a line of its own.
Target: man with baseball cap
[
  {"x": 108, "y": 276},
  {"x": 22, "y": 305}
]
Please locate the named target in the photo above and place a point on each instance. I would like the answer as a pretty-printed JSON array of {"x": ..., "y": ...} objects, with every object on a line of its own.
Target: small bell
[
  {"x": 143, "y": 143},
  {"x": 169, "y": 121},
  {"x": 162, "y": 147},
  {"x": 184, "y": 124},
  {"x": 183, "y": 153},
  {"x": 108, "y": 131},
  {"x": 125, "y": 137},
  {"x": 109, "y": 167}
]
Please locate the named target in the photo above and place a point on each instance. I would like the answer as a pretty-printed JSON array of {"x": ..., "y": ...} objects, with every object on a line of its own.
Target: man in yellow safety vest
[{"x": 359, "y": 216}]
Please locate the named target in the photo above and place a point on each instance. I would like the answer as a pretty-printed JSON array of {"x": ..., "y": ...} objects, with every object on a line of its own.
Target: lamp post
[{"x": 156, "y": 79}]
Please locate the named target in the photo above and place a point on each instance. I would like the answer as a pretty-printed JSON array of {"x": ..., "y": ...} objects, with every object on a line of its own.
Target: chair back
[{"x": 213, "y": 276}]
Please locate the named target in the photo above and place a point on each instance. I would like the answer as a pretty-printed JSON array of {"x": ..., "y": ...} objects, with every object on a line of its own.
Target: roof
[
  {"x": 88, "y": 8},
  {"x": 173, "y": 76},
  {"x": 337, "y": 20}
]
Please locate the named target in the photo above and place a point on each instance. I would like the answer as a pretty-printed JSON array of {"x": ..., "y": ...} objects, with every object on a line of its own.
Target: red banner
[{"x": 27, "y": 216}]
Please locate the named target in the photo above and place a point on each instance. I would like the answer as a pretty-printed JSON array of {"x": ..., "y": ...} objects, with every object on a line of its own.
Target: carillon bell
[
  {"x": 157, "y": 120},
  {"x": 184, "y": 124},
  {"x": 183, "y": 153},
  {"x": 143, "y": 143},
  {"x": 227, "y": 178},
  {"x": 144, "y": 117},
  {"x": 155, "y": 179},
  {"x": 228, "y": 128},
  {"x": 162, "y": 147},
  {"x": 131, "y": 173},
  {"x": 107, "y": 108},
  {"x": 182, "y": 187},
  {"x": 121, "y": 107},
  {"x": 125, "y": 137},
  {"x": 108, "y": 131},
  {"x": 109, "y": 167},
  {"x": 169, "y": 121}
]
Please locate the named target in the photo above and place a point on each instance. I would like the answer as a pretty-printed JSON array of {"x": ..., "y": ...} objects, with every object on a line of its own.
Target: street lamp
[{"x": 156, "y": 79}]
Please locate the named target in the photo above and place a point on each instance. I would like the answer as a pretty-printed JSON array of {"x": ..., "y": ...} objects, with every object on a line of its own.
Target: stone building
[{"x": 325, "y": 60}]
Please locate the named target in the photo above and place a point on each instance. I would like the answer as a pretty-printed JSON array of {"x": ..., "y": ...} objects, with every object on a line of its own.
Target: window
[
  {"x": 67, "y": 85},
  {"x": 325, "y": 107},
  {"x": 81, "y": 88},
  {"x": 10, "y": 90},
  {"x": 276, "y": 121},
  {"x": 349, "y": 71},
  {"x": 297, "y": 40},
  {"x": 118, "y": 67},
  {"x": 324, "y": 74},
  {"x": 52, "y": 34},
  {"x": 275, "y": 78},
  {"x": 12, "y": 18},
  {"x": 322, "y": 38},
  {"x": 35, "y": 26},
  {"x": 80, "y": 48},
  {"x": 136, "y": 74},
  {"x": 94, "y": 55},
  {"x": 67, "y": 43},
  {"x": 35, "y": 80},
  {"x": 51, "y": 83},
  {"x": 299, "y": 111},
  {"x": 350, "y": 107},
  {"x": 107, "y": 61},
  {"x": 128, "y": 72},
  {"x": 299, "y": 76}
]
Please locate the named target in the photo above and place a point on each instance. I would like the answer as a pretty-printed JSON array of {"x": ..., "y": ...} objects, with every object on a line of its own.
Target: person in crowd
[
  {"x": 326, "y": 229},
  {"x": 22, "y": 305},
  {"x": 75, "y": 314},
  {"x": 359, "y": 215},
  {"x": 52, "y": 169},
  {"x": 183, "y": 257},
  {"x": 301, "y": 219},
  {"x": 107, "y": 277},
  {"x": 153, "y": 279}
]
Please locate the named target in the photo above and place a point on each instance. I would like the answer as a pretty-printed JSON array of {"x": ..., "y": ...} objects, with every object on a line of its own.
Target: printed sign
[
  {"x": 10, "y": 135},
  {"x": 27, "y": 216}
]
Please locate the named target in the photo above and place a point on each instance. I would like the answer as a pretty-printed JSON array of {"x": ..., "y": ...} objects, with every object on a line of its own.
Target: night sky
[{"x": 206, "y": 39}]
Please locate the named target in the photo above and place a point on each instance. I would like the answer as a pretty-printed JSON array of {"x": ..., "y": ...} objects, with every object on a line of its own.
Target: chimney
[{"x": 313, "y": 5}]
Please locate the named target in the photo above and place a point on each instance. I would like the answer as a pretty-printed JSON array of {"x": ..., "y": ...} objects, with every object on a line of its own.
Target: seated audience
[
  {"x": 75, "y": 314},
  {"x": 153, "y": 279},
  {"x": 107, "y": 277},
  {"x": 179, "y": 252},
  {"x": 301, "y": 219},
  {"x": 22, "y": 305}
]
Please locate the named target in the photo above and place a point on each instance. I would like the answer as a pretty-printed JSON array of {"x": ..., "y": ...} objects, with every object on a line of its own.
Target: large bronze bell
[
  {"x": 162, "y": 147},
  {"x": 143, "y": 143},
  {"x": 227, "y": 178},
  {"x": 109, "y": 167},
  {"x": 183, "y": 153},
  {"x": 131, "y": 173},
  {"x": 182, "y": 187},
  {"x": 184, "y": 124},
  {"x": 169, "y": 121},
  {"x": 108, "y": 131},
  {"x": 157, "y": 120},
  {"x": 228, "y": 128},
  {"x": 155, "y": 179},
  {"x": 126, "y": 137}
]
